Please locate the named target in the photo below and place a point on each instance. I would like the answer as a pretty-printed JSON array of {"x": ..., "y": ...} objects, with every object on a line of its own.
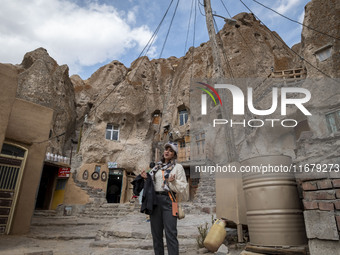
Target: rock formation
[
  {"x": 44, "y": 82},
  {"x": 321, "y": 16},
  {"x": 130, "y": 97}
]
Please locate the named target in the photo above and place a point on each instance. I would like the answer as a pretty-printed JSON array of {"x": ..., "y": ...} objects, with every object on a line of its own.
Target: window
[
  {"x": 182, "y": 144},
  {"x": 183, "y": 117},
  {"x": 156, "y": 116},
  {"x": 324, "y": 52},
  {"x": 112, "y": 132},
  {"x": 333, "y": 121},
  {"x": 97, "y": 169}
]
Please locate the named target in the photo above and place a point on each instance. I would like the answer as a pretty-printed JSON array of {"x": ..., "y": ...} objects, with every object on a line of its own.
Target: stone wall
[
  {"x": 321, "y": 190},
  {"x": 321, "y": 200}
]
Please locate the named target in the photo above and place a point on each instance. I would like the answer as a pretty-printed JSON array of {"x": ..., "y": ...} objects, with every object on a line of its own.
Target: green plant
[
  {"x": 203, "y": 231},
  {"x": 212, "y": 220}
]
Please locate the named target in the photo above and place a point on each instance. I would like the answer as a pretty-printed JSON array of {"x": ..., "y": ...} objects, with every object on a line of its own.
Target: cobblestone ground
[{"x": 129, "y": 234}]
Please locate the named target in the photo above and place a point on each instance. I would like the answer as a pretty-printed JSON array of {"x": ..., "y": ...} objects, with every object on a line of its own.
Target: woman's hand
[
  {"x": 172, "y": 177},
  {"x": 144, "y": 174}
]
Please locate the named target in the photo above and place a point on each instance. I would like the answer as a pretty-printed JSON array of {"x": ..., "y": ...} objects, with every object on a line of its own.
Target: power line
[
  {"x": 186, "y": 40},
  {"x": 166, "y": 38},
  {"x": 245, "y": 41},
  {"x": 51, "y": 138},
  {"x": 224, "y": 52},
  {"x": 117, "y": 157},
  {"x": 284, "y": 44},
  {"x": 199, "y": 7},
  {"x": 193, "y": 44},
  {"x": 156, "y": 31},
  {"x": 311, "y": 28},
  {"x": 226, "y": 8},
  {"x": 147, "y": 46}
]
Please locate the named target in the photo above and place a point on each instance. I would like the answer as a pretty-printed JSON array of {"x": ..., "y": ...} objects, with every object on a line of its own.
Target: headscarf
[{"x": 167, "y": 168}]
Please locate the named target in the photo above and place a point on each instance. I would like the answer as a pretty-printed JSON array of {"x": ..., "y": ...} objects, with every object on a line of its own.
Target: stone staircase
[
  {"x": 108, "y": 229},
  {"x": 131, "y": 234},
  {"x": 108, "y": 210}
]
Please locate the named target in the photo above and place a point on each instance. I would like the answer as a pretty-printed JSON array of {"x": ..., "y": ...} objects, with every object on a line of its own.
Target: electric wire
[
  {"x": 166, "y": 38},
  {"x": 124, "y": 145},
  {"x": 285, "y": 46},
  {"x": 245, "y": 41},
  {"x": 199, "y": 7},
  {"x": 189, "y": 23},
  {"x": 224, "y": 53},
  {"x": 226, "y": 8},
  {"x": 156, "y": 31},
  {"x": 147, "y": 46},
  {"x": 295, "y": 21},
  {"x": 193, "y": 44}
]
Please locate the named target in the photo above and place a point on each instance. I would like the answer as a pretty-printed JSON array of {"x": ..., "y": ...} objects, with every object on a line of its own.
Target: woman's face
[{"x": 168, "y": 154}]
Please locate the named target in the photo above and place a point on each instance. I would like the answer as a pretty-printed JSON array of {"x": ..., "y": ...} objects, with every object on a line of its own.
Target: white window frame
[
  {"x": 113, "y": 129},
  {"x": 183, "y": 115},
  {"x": 323, "y": 53},
  {"x": 333, "y": 127}
]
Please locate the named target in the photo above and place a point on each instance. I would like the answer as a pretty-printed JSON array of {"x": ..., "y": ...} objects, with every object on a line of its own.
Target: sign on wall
[
  {"x": 112, "y": 164},
  {"x": 64, "y": 172}
]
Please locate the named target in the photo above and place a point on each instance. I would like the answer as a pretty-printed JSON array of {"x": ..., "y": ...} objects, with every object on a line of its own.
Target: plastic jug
[{"x": 216, "y": 236}]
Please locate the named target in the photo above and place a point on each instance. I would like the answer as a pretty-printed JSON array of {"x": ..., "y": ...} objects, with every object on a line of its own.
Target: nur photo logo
[{"x": 280, "y": 97}]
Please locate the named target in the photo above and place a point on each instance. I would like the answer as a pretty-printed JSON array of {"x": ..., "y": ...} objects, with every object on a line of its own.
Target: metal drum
[{"x": 274, "y": 211}]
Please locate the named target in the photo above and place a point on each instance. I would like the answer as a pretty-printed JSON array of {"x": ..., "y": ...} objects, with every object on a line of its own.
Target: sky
[{"x": 87, "y": 34}]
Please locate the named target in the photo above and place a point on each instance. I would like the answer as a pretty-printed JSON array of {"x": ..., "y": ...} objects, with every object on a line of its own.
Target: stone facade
[{"x": 320, "y": 145}]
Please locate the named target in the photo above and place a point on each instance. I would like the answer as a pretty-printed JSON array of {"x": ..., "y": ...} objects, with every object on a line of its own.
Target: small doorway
[
  {"x": 46, "y": 188},
  {"x": 114, "y": 185},
  {"x": 193, "y": 183}
]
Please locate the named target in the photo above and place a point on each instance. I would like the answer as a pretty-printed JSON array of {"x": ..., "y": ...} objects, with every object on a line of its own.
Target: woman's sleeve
[{"x": 179, "y": 185}]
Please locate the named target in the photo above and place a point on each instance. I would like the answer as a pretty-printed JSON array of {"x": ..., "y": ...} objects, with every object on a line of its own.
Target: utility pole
[
  {"x": 218, "y": 75},
  {"x": 218, "y": 70}
]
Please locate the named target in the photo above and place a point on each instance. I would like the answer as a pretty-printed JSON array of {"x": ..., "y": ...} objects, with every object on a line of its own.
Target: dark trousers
[{"x": 161, "y": 218}]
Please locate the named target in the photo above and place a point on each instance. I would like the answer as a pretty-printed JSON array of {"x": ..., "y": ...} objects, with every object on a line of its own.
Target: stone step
[
  {"x": 142, "y": 244},
  {"x": 45, "y": 213},
  {"x": 65, "y": 231},
  {"x": 110, "y": 209}
]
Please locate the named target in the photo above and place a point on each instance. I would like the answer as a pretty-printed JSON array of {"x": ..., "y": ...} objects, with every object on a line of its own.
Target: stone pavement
[{"x": 125, "y": 234}]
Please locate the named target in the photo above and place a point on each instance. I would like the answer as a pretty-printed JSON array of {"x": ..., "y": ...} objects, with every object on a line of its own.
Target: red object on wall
[{"x": 64, "y": 172}]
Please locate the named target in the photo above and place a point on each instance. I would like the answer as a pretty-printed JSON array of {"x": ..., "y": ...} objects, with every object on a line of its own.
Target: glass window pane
[
  {"x": 115, "y": 135},
  {"x": 331, "y": 122},
  {"x": 11, "y": 150},
  {"x": 108, "y": 135},
  {"x": 180, "y": 120},
  {"x": 186, "y": 118},
  {"x": 108, "y": 126},
  {"x": 324, "y": 54},
  {"x": 97, "y": 169}
]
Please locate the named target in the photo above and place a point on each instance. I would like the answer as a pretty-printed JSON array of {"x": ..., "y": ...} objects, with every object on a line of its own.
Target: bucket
[
  {"x": 274, "y": 213},
  {"x": 216, "y": 236}
]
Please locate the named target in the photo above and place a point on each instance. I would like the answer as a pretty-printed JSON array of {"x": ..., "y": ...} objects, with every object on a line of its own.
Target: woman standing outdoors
[{"x": 166, "y": 175}]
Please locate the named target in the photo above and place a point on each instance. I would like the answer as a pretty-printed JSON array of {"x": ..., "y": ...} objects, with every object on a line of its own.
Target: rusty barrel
[{"x": 274, "y": 213}]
